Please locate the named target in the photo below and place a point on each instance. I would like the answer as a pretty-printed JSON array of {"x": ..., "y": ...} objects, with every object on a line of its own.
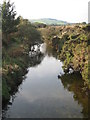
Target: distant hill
[{"x": 49, "y": 21}]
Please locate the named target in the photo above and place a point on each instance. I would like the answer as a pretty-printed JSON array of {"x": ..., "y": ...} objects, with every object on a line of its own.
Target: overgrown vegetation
[
  {"x": 18, "y": 35},
  {"x": 71, "y": 42}
]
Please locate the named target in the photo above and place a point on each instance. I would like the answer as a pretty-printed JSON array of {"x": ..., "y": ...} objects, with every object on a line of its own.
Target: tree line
[{"x": 16, "y": 27}]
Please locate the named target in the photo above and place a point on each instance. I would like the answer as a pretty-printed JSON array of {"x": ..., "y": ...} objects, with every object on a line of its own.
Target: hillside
[{"x": 49, "y": 21}]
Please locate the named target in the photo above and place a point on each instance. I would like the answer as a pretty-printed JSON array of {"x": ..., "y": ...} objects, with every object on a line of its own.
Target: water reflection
[
  {"x": 36, "y": 59},
  {"x": 36, "y": 55},
  {"x": 43, "y": 95},
  {"x": 51, "y": 52},
  {"x": 73, "y": 83}
]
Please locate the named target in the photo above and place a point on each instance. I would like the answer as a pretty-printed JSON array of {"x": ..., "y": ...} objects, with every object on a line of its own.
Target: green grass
[{"x": 49, "y": 21}]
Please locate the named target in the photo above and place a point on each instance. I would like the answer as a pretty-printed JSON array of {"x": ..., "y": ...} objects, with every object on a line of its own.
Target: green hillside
[{"x": 49, "y": 21}]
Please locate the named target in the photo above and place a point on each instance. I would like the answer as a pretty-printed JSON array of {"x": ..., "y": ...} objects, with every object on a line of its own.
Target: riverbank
[
  {"x": 15, "y": 57},
  {"x": 15, "y": 63},
  {"x": 71, "y": 42},
  {"x": 64, "y": 96},
  {"x": 18, "y": 35}
]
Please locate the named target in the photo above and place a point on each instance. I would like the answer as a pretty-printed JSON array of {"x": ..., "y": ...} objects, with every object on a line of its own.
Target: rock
[{"x": 59, "y": 76}]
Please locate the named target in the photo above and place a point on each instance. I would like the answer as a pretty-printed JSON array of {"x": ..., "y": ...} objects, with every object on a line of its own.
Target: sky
[{"x": 67, "y": 10}]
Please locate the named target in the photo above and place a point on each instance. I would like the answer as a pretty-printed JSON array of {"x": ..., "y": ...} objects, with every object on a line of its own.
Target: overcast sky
[{"x": 67, "y": 10}]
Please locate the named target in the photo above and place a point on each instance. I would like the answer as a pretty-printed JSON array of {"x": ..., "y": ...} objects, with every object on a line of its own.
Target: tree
[
  {"x": 9, "y": 23},
  {"x": 28, "y": 33},
  {"x": 0, "y": 18}
]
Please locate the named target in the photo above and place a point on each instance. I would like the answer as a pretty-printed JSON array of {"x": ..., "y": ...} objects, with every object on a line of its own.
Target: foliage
[
  {"x": 28, "y": 33},
  {"x": 9, "y": 23},
  {"x": 71, "y": 42},
  {"x": 39, "y": 25},
  {"x": 74, "y": 53},
  {"x": 18, "y": 36}
]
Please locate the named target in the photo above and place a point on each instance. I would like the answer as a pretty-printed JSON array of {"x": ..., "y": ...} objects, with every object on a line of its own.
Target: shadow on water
[
  {"x": 45, "y": 93},
  {"x": 51, "y": 52},
  {"x": 35, "y": 58},
  {"x": 74, "y": 83}
]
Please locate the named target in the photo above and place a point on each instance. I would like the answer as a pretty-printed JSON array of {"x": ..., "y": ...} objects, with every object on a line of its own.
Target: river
[{"x": 43, "y": 95}]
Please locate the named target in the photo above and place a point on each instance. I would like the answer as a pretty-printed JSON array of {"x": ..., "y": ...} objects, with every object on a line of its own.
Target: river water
[{"x": 43, "y": 95}]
